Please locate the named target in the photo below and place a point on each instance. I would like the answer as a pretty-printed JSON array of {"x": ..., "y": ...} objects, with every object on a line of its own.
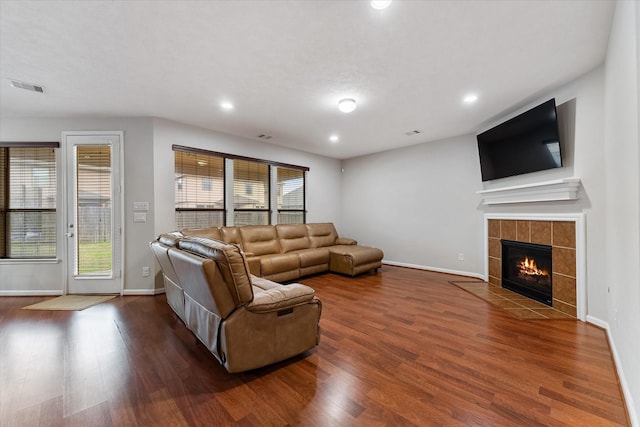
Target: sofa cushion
[
  {"x": 322, "y": 234},
  {"x": 293, "y": 237},
  {"x": 273, "y": 264},
  {"x": 170, "y": 239},
  {"x": 311, "y": 257},
  {"x": 230, "y": 260},
  {"x": 231, "y": 235},
  {"x": 209, "y": 232},
  {"x": 260, "y": 239}
]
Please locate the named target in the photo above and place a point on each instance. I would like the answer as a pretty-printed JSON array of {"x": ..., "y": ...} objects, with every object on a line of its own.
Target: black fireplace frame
[{"x": 522, "y": 288}]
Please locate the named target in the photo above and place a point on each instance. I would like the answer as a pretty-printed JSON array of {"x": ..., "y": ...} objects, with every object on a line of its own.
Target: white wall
[
  {"x": 138, "y": 180},
  {"x": 418, "y": 204},
  {"x": 623, "y": 195}
]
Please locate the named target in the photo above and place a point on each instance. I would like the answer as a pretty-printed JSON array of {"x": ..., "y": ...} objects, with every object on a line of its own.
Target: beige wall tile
[
  {"x": 565, "y": 308},
  {"x": 541, "y": 232},
  {"x": 564, "y": 234},
  {"x": 494, "y": 228},
  {"x": 564, "y": 261},
  {"x": 495, "y": 248},
  {"x": 508, "y": 229},
  {"x": 523, "y": 231},
  {"x": 564, "y": 289},
  {"x": 495, "y": 268}
]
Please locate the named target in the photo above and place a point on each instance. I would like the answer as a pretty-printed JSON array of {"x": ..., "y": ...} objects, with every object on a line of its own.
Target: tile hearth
[{"x": 512, "y": 303}]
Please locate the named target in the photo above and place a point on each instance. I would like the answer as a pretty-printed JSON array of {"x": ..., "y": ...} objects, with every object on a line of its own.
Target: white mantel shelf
[{"x": 548, "y": 191}]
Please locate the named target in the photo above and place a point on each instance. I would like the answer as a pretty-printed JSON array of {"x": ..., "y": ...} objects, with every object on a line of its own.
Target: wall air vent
[
  {"x": 413, "y": 132},
  {"x": 263, "y": 136},
  {"x": 27, "y": 86}
]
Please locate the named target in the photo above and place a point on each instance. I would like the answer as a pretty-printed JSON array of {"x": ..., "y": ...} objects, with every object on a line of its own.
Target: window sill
[{"x": 7, "y": 261}]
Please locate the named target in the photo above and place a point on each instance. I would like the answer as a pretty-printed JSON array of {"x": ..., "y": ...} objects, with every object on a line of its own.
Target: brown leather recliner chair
[{"x": 245, "y": 321}]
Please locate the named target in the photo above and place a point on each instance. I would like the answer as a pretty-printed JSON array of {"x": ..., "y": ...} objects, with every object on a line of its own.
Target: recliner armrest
[
  {"x": 281, "y": 297},
  {"x": 346, "y": 241}
]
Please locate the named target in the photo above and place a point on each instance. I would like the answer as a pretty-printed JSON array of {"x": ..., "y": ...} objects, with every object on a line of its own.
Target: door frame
[{"x": 67, "y": 270}]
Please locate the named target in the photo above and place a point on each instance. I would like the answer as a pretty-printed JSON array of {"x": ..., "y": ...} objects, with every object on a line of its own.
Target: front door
[{"x": 93, "y": 218}]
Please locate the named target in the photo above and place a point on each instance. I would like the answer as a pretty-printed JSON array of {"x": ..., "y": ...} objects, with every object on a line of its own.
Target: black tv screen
[{"x": 526, "y": 143}]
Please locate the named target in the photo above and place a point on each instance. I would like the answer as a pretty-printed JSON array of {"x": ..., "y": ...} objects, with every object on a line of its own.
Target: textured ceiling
[{"x": 285, "y": 64}]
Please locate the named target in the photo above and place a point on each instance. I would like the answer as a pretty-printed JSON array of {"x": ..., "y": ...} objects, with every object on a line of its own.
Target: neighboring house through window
[
  {"x": 28, "y": 196},
  {"x": 201, "y": 189}
]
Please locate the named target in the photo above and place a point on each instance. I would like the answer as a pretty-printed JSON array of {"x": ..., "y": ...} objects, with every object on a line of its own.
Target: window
[
  {"x": 199, "y": 190},
  {"x": 251, "y": 192},
  {"x": 28, "y": 200},
  {"x": 291, "y": 200}
]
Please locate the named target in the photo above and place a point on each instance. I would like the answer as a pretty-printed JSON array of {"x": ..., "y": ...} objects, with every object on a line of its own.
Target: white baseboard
[
  {"x": 436, "y": 269},
  {"x": 143, "y": 291},
  {"x": 31, "y": 293},
  {"x": 616, "y": 360}
]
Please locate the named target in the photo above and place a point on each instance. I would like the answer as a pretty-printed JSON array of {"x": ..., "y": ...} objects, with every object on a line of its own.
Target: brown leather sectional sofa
[
  {"x": 287, "y": 252},
  {"x": 221, "y": 283}
]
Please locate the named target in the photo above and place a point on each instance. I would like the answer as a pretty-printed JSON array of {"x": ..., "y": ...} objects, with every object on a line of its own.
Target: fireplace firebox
[{"x": 526, "y": 269}]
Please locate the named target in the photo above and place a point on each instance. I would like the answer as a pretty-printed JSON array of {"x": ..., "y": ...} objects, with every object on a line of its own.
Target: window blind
[
  {"x": 199, "y": 190},
  {"x": 94, "y": 252},
  {"x": 28, "y": 201},
  {"x": 251, "y": 201},
  {"x": 291, "y": 197}
]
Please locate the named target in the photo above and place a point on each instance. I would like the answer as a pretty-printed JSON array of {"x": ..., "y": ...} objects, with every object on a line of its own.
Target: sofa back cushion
[
  {"x": 293, "y": 237},
  {"x": 231, "y": 263},
  {"x": 322, "y": 234},
  {"x": 231, "y": 235},
  {"x": 260, "y": 239},
  {"x": 209, "y": 232},
  {"x": 170, "y": 239}
]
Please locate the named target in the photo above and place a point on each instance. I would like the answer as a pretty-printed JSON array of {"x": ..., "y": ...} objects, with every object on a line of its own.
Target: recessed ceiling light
[
  {"x": 470, "y": 98},
  {"x": 226, "y": 105},
  {"x": 347, "y": 105},
  {"x": 334, "y": 138},
  {"x": 380, "y": 4}
]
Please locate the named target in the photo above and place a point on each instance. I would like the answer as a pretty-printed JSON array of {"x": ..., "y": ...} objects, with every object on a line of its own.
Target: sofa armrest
[
  {"x": 346, "y": 241},
  {"x": 254, "y": 265},
  {"x": 280, "y": 297}
]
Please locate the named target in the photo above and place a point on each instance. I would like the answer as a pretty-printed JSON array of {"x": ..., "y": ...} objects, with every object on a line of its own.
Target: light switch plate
[
  {"x": 140, "y": 206},
  {"x": 139, "y": 217}
]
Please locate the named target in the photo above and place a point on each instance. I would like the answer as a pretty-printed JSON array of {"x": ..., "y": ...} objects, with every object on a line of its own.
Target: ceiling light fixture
[
  {"x": 334, "y": 138},
  {"x": 380, "y": 4},
  {"x": 347, "y": 105},
  {"x": 226, "y": 105},
  {"x": 470, "y": 99}
]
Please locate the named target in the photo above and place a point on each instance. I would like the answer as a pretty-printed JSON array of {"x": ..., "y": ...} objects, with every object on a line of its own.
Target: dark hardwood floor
[{"x": 401, "y": 347}]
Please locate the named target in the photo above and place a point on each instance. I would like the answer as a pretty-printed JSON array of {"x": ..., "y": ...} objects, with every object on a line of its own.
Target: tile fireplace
[{"x": 563, "y": 234}]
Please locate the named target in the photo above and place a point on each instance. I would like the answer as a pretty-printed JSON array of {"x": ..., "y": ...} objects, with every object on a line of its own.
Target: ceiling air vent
[
  {"x": 263, "y": 136},
  {"x": 27, "y": 86},
  {"x": 413, "y": 132}
]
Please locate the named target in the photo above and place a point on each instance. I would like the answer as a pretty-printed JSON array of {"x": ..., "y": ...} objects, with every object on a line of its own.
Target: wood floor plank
[{"x": 400, "y": 347}]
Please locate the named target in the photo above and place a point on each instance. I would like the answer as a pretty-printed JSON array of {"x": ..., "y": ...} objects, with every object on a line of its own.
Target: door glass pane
[{"x": 94, "y": 254}]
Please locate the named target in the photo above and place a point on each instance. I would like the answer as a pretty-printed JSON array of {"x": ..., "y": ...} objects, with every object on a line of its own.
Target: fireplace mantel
[{"x": 548, "y": 191}]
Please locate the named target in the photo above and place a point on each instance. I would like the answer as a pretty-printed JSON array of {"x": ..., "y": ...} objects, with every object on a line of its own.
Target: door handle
[{"x": 68, "y": 234}]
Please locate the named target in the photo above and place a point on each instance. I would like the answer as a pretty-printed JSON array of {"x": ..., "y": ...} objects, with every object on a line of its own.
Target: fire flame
[{"x": 529, "y": 267}]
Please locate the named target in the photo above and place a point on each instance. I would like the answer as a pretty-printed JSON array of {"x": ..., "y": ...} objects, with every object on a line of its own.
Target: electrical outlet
[
  {"x": 460, "y": 256},
  {"x": 145, "y": 272}
]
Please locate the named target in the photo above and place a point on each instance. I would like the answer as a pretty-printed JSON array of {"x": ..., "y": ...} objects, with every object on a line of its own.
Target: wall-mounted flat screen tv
[{"x": 526, "y": 143}]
